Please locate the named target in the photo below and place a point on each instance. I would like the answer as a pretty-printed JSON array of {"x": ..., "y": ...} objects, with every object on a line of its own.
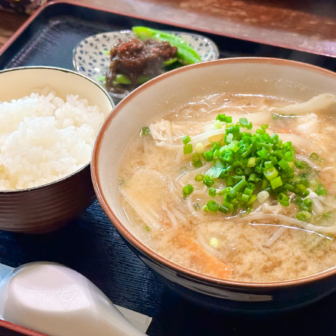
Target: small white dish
[{"x": 89, "y": 58}]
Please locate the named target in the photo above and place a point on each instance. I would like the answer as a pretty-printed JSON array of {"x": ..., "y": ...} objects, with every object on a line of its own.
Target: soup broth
[{"x": 277, "y": 224}]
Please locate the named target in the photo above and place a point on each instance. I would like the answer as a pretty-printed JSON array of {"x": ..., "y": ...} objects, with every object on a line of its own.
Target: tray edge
[
  {"x": 19, "y": 329},
  {"x": 166, "y": 22}
]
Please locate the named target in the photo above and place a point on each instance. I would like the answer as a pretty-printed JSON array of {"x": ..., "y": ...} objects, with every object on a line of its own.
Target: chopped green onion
[
  {"x": 263, "y": 153},
  {"x": 187, "y": 189},
  {"x": 240, "y": 185},
  {"x": 271, "y": 173},
  {"x": 187, "y": 149},
  {"x": 314, "y": 156},
  {"x": 208, "y": 181},
  {"x": 251, "y": 185},
  {"x": 186, "y": 139},
  {"x": 308, "y": 202},
  {"x": 251, "y": 162},
  {"x": 248, "y": 191},
  {"x": 243, "y": 122},
  {"x": 228, "y": 157},
  {"x": 221, "y": 117},
  {"x": 303, "y": 216},
  {"x": 218, "y": 124},
  {"x": 289, "y": 187},
  {"x": 208, "y": 156},
  {"x": 230, "y": 195},
  {"x": 145, "y": 130},
  {"x": 214, "y": 172},
  {"x": 197, "y": 164},
  {"x": 212, "y": 206},
  {"x": 288, "y": 156},
  {"x": 230, "y": 181},
  {"x": 258, "y": 169},
  {"x": 228, "y": 205},
  {"x": 217, "y": 155},
  {"x": 229, "y": 138},
  {"x": 234, "y": 146},
  {"x": 222, "y": 192},
  {"x": 252, "y": 199},
  {"x": 239, "y": 171},
  {"x": 224, "y": 209},
  {"x": 283, "y": 199},
  {"x": 196, "y": 157},
  {"x": 303, "y": 193},
  {"x": 283, "y": 164},
  {"x": 327, "y": 214},
  {"x": 215, "y": 145},
  {"x": 212, "y": 192},
  {"x": 301, "y": 164},
  {"x": 265, "y": 183},
  {"x": 321, "y": 190},
  {"x": 196, "y": 160},
  {"x": 276, "y": 182},
  {"x": 253, "y": 177}
]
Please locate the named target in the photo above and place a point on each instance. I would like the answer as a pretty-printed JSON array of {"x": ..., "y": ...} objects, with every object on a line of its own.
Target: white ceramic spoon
[{"x": 58, "y": 301}]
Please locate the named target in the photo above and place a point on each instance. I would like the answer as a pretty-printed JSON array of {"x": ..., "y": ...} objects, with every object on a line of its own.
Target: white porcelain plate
[{"x": 90, "y": 59}]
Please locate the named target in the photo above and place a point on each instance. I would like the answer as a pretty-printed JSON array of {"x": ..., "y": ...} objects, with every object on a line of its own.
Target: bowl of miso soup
[{"x": 221, "y": 176}]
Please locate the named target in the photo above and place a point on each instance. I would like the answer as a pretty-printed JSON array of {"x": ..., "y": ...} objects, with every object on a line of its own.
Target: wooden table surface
[
  {"x": 9, "y": 23},
  {"x": 309, "y": 25}
]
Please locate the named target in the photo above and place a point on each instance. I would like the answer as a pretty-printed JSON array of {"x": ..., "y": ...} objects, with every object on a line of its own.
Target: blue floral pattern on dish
[{"x": 90, "y": 58}]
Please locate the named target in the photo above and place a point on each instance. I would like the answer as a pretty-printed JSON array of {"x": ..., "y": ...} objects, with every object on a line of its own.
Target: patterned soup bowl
[{"x": 263, "y": 76}]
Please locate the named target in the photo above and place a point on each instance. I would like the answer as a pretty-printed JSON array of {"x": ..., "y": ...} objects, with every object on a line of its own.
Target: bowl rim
[
  {"x": 141, "y": 246},
  {"x": 42, "y": 67}
]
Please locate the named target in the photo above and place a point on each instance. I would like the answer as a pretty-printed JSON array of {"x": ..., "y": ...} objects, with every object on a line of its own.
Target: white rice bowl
[{"x": 44, "y": 138}]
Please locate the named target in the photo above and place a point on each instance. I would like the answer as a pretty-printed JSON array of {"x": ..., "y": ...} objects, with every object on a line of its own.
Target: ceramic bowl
[
  {"x": 47, "y": 207},
  {"x": 266, "y": 76},
  {"x": 90, "y": 60}
]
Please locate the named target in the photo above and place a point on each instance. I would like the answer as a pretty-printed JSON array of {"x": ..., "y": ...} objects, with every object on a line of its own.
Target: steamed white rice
[{"x": 44, "y": 138}]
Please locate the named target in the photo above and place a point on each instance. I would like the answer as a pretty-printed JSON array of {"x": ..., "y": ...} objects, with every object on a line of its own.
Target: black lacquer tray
[{"x": 91, "y": 245}]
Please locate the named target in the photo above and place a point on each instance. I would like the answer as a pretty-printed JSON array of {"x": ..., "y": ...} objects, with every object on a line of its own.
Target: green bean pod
[{"x": 185, "y": 53}]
